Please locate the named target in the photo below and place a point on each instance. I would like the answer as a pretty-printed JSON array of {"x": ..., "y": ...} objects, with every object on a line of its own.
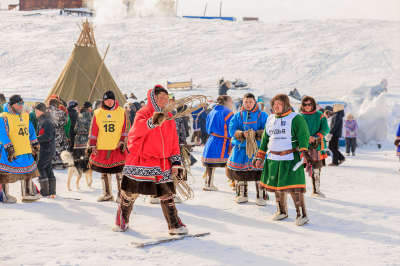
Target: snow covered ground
[{"x": 357, "y": 224}]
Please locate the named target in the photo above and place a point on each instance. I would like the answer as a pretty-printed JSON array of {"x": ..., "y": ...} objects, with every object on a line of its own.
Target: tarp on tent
[
  {"x": 80, "y": 72},
  {"x": 76, "y": 79}
]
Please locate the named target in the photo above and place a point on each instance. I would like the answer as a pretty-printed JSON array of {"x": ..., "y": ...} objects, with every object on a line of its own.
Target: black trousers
[
  {"x": 351, "y": 143},
  {"x": 334, "y": 147},
  {"x": 45, "y": 168}
]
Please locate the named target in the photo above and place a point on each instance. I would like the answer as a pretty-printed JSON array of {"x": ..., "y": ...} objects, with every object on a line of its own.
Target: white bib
[{"x": 279, "y": 131}]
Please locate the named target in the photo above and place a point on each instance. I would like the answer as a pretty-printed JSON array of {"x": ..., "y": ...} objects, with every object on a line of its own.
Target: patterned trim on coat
[
  {"x": 214, "y": 160},
  {"x": 132, "y": 170},
  {"x": 18, "y": 170},
  {"x": 175, "y": 158},
  {"x": 225, "y": 135},
  {"x": 8, "y": 145},
  {"x": 34, "y": 142},
  {"x": 261, "y": 155},
  {"x": 106, "y": 165},
  {"x": 153, "y": 101},
  {"x": 6, "y": 125},
  {"x": 92, "y": 137},
  {"x": 282, "y": 188},
  {"x": 167, "y": 177},
  {"x": 150, "y": 124}
]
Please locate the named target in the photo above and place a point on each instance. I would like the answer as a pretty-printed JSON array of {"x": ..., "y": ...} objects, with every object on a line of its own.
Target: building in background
[{"x": 25, "y": 5}]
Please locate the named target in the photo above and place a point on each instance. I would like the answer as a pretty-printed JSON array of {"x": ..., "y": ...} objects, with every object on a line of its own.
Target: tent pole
[
  {"x": 98, "y": 73},
  {"x": 220, "y": 10},
  {"x": 205, "y": 10}
]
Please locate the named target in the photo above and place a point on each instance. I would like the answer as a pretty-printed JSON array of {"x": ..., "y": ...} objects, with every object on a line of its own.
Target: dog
[{"x": 78, "y": 168}]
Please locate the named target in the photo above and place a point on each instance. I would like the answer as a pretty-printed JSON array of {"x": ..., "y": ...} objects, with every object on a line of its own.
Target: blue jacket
[{"x": 244, "y": 120}]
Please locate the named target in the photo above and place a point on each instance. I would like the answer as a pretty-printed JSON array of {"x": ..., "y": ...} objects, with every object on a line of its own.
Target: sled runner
[{"x": 153, "y": 243}]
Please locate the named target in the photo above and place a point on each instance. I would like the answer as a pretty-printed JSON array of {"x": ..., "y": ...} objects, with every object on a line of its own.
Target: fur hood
[
  {"x": 349, "y": 114},
  {"x": 283, "y": 98},
  {"x": 313, "y": 102}
]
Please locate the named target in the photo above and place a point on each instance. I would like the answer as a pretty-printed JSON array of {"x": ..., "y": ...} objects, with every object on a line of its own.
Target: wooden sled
[{"x": 181, "y": 86}]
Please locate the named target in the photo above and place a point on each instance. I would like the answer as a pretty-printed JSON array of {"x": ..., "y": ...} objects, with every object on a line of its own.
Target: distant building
[{"x": 25, "y": 5}]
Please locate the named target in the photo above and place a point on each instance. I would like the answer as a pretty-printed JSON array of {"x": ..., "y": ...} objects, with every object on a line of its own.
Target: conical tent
[{"x": 82, "y": 70}]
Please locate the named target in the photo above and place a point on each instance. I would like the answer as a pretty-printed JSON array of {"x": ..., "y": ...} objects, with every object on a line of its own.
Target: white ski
[{"x": 153, "y": 243}]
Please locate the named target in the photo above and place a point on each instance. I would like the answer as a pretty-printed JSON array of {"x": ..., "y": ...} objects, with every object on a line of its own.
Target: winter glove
[
  {"x": 397, "y": 142},
  {"x": 259, "y": 134},
  {"x": 158, "y": 118},
  {"x": 328, "y": 137},
  {"x": 35, "y": 150},
  {"x": 11, "y": 154},
  {"x": 239, "y": 135},
  {"x": 124, "y": 145},
  {"x": 351, "y": 133},
  {"x": 307, "y": 156},
  {"x": 317, "y": 142}
]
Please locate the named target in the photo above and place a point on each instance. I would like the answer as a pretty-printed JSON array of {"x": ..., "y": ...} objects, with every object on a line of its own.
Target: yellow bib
[
  {"x": 110, "y": 125},
  {"x": 19, "y": 132}
]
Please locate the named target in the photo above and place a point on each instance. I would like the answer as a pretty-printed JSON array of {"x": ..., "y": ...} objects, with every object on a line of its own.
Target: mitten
[
  {"x": 307, "y": 156},
  {"x": 259, "y": 134},
  {"x": 11, "y": 154},
  {"x": 239, "y": 135},
  {"x": 328, "y": 137},
  {"x": 397, "y": 142},
  {"x": 158, "y": 118}
]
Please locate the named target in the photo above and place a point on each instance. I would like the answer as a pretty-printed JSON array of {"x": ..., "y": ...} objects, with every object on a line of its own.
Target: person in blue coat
[
  {"x": 240, "y": 167},
  {"x": 216, "y": 151},
  {"x": 17, "y": 142},
  {"x": 197, "y": 126}
]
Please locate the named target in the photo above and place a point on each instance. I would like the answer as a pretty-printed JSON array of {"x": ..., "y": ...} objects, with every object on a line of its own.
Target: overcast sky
[{"x": 277, "y": 10}]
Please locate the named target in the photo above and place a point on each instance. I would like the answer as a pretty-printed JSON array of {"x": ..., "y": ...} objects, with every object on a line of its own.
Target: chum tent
[{"x": 80, "y": 72}]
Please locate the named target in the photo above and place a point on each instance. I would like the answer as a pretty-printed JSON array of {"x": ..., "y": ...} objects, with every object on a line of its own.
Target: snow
[{"x": 356, "y": 224}]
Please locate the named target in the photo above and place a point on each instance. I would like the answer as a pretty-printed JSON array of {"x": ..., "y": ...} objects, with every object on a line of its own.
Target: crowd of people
[{"x": 142, "y": 145}]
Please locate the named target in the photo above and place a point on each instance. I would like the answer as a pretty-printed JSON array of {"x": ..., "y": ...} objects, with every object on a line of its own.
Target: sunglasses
[
  {"x": 21, "y": 103},
  {"x": 307, "y": 104}
]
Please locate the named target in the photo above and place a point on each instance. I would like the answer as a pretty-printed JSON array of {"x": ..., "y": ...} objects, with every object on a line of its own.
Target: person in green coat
[
  {"x": 318, "y": 128},
  {"x": 285, "y": 138}
]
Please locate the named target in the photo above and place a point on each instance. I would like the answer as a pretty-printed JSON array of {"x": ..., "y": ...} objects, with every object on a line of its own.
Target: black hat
[
  {"x": 72, "y": 103},
  {"x": 109, "y": 95},
  {"x": 15, "y": 99},
  {"x": 40, "y": 107},
  {"x": 87, "y": 104}
]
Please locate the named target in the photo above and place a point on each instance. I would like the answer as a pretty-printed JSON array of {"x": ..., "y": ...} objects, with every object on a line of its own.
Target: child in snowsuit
[{"x": 350, "y": 126}]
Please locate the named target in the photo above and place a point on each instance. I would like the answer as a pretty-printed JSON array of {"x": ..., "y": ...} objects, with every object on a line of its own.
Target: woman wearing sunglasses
[
  {"x": 318, "y": 127},
  {"x": 240, "y": 167}
]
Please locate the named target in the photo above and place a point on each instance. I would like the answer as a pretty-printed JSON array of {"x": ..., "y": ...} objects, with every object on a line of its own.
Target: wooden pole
[
  {"x": 176, "y": 12},
  {"x": 98, "y": 73},
  {"x": 220, "y": 10},
  {"x": 205, "y": 10}
]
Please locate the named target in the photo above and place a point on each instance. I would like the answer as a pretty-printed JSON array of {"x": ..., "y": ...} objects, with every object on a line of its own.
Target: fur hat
[
  {"x": 15, "y": 99},
  {"x": 108, "y": 95},
  {"x": 313, "y": 103},
  {"x": 337, "y": 107},
  {"x": 72, "y": 103},
  {"x": 40, "y": 107},
  {"x": 283, "y": 98},
  {"x": 223, "y": 99},
  {"x": 87, "y": 104},
  {"x": 54, "y": 102}
]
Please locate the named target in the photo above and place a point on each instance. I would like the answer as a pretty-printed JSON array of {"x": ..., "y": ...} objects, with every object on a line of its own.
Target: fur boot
[
  {"x": 125, "y": 206},
  {"x": 262, "y": 195},
  {"x": 107, "y": 188},
  {"x": 281, "y": 203},
  {"x": 5, "y": 197},
  {"x": 175, "y": 225},
  {"x": 119, "y": 178},
  {"x": 28, "y": 191},
  {"x": 209, "y": 185},
  {"x": 300, "y": 203},
  {"x": 52, "y": 186},
  {"x": 241, "y": 192},
  {"x": 316, "y": 184}
]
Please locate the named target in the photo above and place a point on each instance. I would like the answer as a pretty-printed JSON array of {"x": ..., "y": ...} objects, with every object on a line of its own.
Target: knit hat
[
  {"x": 40, "y": 107},
  {"x": 72, "y": 103},
  {"x": 15, "y": 99},
  {"x": 109, "y": 95},
  {"x": 87, "y": 104}
]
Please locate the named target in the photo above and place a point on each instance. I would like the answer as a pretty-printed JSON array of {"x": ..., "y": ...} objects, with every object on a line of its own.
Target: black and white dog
[{"x": 78, "y": 168}]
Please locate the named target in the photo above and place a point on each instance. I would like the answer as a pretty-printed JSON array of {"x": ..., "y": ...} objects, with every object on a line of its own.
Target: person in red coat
[
  {"x": 153, "y": 162},
  {"x": 106, "y": 143}
]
